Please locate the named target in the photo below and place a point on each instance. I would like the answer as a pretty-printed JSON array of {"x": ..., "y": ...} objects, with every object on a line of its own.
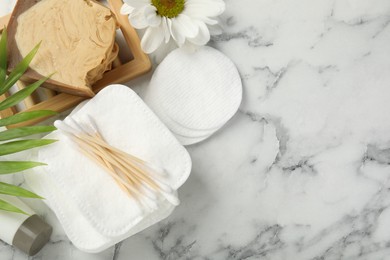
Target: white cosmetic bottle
[{"x": 29, "y": 233}]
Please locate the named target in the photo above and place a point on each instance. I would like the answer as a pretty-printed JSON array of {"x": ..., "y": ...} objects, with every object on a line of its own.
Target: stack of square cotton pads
[
  {"x": 94, "y": 212},
  {"x": 194, "y": 93}
]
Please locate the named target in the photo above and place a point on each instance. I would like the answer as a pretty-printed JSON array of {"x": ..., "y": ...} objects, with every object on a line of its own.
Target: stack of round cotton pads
[{"x": 194, "y": 93}]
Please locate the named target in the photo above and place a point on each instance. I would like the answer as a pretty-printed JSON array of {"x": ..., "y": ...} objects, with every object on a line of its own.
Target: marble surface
[{"x": 303, "y": 170}]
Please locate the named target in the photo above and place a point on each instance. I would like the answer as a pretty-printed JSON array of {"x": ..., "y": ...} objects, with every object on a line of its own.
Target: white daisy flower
[{"x": 186, "y": 21}]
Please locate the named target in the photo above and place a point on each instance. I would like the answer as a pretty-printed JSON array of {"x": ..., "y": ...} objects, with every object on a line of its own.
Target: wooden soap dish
[{"x": 122, "y": 71}]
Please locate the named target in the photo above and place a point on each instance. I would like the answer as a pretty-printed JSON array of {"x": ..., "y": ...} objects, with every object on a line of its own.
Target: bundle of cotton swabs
[{"x": 138, "y": 178}]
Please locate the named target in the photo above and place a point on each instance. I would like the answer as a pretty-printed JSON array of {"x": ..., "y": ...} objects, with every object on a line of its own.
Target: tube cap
[{"x": 32, "y": 235}]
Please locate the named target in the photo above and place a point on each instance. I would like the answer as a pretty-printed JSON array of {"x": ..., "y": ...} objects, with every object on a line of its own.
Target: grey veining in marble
[{"x": 303, "y": 170}]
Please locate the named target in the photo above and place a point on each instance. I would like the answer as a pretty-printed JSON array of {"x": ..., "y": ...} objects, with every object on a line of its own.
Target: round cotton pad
[
  {"x": 173, "y": 126},
  {"x": 197, "y": 91},
  {"x": 185, "y": 140}
]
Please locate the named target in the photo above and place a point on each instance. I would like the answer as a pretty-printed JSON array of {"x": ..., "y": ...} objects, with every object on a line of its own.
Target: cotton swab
[{"x": 138, "y": 178}]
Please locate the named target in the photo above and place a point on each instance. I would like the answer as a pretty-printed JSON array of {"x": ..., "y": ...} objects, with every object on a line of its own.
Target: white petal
[
  {"x": 184, "y": 25},
  {"x": 189, "y": 47},
  {"x": 188, "y": 24},
  {"x": 208, "y": 20},
  {"x": 126, "y": 9},
  {"x": 137, "y": 19},
  {"x": 152, "y": 39},
  {"x": 215, "y": 29},
  {"x": 203, "y": 36},
  {"x": 151, "y": 16},
  {"x": 169, "y": 23},
  {"x": 205, "y": 8},
  {"x": 199, "y": 16},
  {"x": 164, "y": 24},
  {"x": 175, "y": 32},
  {"x": 137, "y": 3}
]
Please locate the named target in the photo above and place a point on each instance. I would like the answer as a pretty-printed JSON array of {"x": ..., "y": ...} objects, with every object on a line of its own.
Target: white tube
[
  {"x": 29, "y": 233},
  {"x": 9, "y": 221}
]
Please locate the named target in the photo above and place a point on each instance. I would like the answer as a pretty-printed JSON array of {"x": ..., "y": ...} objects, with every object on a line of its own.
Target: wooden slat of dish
[
  {"x": 30, "y": 100},
  {"x": 50, "y": 93},
  {"x": 138, "y": 66},
  {"x": 130, "y": 34},
  {"x": 4, "y": 21},
  {"x": 116, "y": 63},
  {"x": 9, "y": 111}
]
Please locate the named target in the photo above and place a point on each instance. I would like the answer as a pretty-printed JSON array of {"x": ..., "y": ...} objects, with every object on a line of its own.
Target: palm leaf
[
  {"x": 9, "y": 207},
  {"x": 19, "y": 70},
  {"x": 12, "y": 190},
  {"x": 18, "y": 146},
  {"x": 26, "y": 116},
  {"x": 3, "y": 57},
  {"x": 17, "y": 166},
  {"x": 21, "y": 94},
  {"x": 24, "y": 131}
]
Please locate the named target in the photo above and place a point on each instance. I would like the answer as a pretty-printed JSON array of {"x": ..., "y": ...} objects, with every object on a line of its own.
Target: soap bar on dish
[
  {"x": 80, "y": 191},
  {"x": 77, "y": 42}
]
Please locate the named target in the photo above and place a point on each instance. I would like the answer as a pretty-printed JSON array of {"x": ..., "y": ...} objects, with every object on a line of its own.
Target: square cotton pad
[
  {"x": 94, "y": 211},
  {"x": 195, "y": 93}
]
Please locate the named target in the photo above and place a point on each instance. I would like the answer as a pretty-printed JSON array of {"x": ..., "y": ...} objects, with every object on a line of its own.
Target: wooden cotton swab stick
[
  {"x": 137, "y": 183},
  {"x": 111, "y": 161},
  {"x": 124, "y": 160},
  {"x": 86, "y": 147},
  {"x": 154, "y": 183},
  {"x": 135, "y": 176},
  {"x": 123, "y": 156},
  {"x": 164, "y": 189},
  {"x": 103, "y": 163},
  {"x": 149, "y": 203},
  {"x": 91, "y": 129},
  {"x": 140, "y": 175},
  {"x": 101, "y": 151},
  {"x": 107, "y": 167}
]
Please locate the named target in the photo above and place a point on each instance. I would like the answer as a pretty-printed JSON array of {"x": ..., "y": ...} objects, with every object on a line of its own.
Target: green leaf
[
  {"x": 21, "y": 94},
  {"x": 24, "y": 131},
  {"x": 11, "y": 208},
  {"x": 26, "y": 116},
  {"x": 2, "y": 77},
  {"x": 19, "y": 70},
  {"x": 17, "y": 166},
  {"x": 10, "y": 147},
  {"x": 12, "y": 190},
  {"x": 3, "y": 57},
  {"x": 17, "y": 146}
]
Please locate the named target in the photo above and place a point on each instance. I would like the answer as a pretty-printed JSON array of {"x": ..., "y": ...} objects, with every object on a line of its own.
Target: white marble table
[{"x": 303, "y": 170}]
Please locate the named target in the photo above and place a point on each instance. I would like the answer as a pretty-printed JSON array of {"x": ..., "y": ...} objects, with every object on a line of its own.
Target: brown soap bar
[{"x": 78, "y": 42}]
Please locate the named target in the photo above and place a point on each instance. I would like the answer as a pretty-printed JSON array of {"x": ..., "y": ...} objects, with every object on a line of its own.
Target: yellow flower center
[{"x": 169, "y": 8}]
